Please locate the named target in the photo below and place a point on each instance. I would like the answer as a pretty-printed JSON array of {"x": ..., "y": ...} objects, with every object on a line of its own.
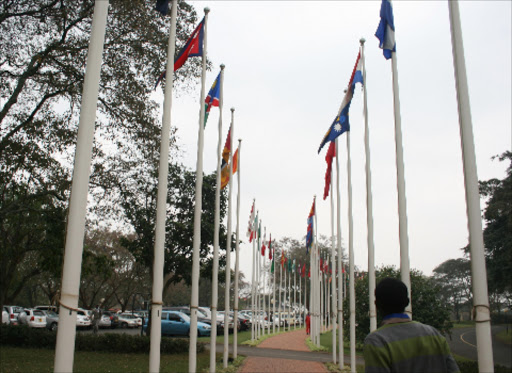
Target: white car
[
  {"x": 127, "y": 320},
  {"x": 82, "y": 319},
  {"x": 32, "y": 318},
  {"x": 5, "y": 316}
]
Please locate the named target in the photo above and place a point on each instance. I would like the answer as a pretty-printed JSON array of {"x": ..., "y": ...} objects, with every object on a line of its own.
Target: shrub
[
  {"x": 24, "y": 336},
  {"x": 467, "y": 366}
]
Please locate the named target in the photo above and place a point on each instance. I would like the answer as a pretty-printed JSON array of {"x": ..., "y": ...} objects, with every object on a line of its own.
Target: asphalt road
[{"x": 463, "y": 343}]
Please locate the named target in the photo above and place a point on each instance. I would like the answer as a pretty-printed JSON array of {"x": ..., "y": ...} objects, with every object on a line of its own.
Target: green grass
[
  {"x": 241, "y": 337},
  {"x": 505, "y": 336},
  {"x": 463, "y": 324},
  {"x": 326, "y": 341},
  {"x": 14, "y": 359}
]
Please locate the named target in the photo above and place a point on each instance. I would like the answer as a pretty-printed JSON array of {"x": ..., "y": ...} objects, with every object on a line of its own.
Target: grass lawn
[
  {"x": 326, "y": 341},
  {"x": 463, "y": 324},
  {"x": 14, "y": 359},
  {"x": 241, "y": 337},
  {"x": 505, "y": 336}
]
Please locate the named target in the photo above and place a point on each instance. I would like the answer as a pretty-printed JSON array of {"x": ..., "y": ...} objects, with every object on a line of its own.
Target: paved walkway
[{"x": 294, "y": 341}]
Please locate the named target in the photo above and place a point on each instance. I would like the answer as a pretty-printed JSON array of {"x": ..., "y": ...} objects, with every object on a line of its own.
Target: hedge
[{"x": 24, "y": 336}]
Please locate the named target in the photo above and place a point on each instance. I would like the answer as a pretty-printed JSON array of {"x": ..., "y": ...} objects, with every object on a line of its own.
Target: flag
[
  {"x": 162, "y": 6},
  {"x": 192, "y": 48},
  {"x": 386, "y": 30},
  {"x": 290, "y": 267},
  {"x": 283, "y": 259},
  {"x": 303, "y": 274},
  {"x": 331, "y": 153},
  {"x": 250, "y": 230},
  {"x": 213, "y": 98},
  {"x": 341, "y": 123},
  {"x": 263, "y": 247},
  {"x": 270, "y": 249},
  {"x": 224, "y": 173},
  {"x": 309, "y": 235},
  {"x": 321, "y": 265},
  {"x": 309, "y": 272},
  {"x": 272, "y": 267}
]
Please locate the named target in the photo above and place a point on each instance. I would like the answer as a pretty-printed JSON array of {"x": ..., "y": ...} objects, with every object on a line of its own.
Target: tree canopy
[{"x": 44, "y": 48}]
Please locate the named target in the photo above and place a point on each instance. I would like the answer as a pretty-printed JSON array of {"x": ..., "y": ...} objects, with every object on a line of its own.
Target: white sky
[{"x": 287, "y": 64}]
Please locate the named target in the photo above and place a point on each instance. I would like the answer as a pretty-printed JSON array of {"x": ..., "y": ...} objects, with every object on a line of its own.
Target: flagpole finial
[
  {"x": 362, "y": 40},
  {"x": 206, "y": 10},
  {"x": 232, "y": 109},
  {"x": 239, "y": 141},
  {"x": 222, "y": 66}
]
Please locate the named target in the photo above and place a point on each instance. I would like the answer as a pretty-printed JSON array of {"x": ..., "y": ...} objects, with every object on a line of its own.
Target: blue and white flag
[
  {"x": 341, "y": 123},
  {"x": 386, "y": 30}
]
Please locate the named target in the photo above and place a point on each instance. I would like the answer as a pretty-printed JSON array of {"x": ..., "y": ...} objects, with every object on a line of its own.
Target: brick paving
[{"x": 293, "y": 341}]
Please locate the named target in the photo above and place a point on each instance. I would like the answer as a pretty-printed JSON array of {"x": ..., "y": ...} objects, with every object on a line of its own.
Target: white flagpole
[
  {"x": 161, "y": 207},
  {"x": 253, "y": 300},
  {"x": 258, "y": 263},
  {"x": 274, "y": 293},
  {"x": 66, "y": 333},
  {"x": 351, "y": 262},
  {"x": 321, "y": 296},
  {"x": 317, "y": 283},
  {"x": 294, "y": 291},
  {"x": 194, "y": 299},
  {"x": 333, "y": 285},
  {"x": 369, "y": 201},
  {"x": 237, "y": 257},
  {"x": 300, "y": 298},
  {"x": 264, "y": 308},
  {"x": 280, "y": 292},
  {"x": 340, "y": 254},
  {"x": 290, "y": 299},
  {"x": 215, "y": 271},
  {"x": 400, "y": 181},
  {"x": 228, "y": 247},
  {"x": 476, "y": 241}
]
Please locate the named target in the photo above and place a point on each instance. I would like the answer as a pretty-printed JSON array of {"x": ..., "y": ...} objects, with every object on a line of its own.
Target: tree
[
  {"x": 42, "y": 65},
  {"x": 140, "y": 208},
  {"x": 454, "y": 279},
  {"x": 498, "y": 229},
  {"x": 427, "y": 305}
]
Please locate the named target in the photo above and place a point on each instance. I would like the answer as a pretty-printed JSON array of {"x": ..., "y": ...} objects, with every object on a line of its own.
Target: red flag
[
  {"x": 321, "y": 265},
  {"x": 303, "y": 274},
  {"x": 331, "y": 153},
  {"x": 309, "y": 272},
  {"x": 270, "y": 247}
]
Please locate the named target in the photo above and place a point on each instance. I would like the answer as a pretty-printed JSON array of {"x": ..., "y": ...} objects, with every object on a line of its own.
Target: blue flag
[
  {"x": 341, "y": 123},
  {"x": 386, "y": 30},
  {"x": 162, "y": 6}
]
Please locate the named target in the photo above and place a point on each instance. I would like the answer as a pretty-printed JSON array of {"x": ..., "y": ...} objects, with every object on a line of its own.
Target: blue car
[{"x": 177, "y": 323}]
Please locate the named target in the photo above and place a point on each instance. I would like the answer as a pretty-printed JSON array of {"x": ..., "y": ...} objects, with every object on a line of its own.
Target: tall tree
[
  {"x": 42, "y": 65},
  {"x": 454, "y": 278},
  {"x": 498, "y": 229}
]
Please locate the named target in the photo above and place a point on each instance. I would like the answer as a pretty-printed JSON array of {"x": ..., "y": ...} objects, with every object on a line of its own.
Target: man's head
[{"x": 391, "y": 296}]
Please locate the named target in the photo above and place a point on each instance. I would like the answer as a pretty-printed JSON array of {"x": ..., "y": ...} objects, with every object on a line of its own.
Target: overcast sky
[{"x": 287, "y": 64}]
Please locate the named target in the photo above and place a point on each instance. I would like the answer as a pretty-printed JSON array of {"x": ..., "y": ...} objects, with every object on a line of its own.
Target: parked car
[
  {"x": 201, "y": 316},
  {"x": 32, "y": 318},
  {"x": 104, "y": 321},
  {"x": 127, "y": 320},
  {"x": 114, "y": 318},
  {"x": 178, "y": 323},
  {"x": 231, "y": 322},
  {"x": 13, "y": 311},
  {"x": 52, "y": 320},
  {"x": 245, "y": 322},
  {"x": 47, "y": 308},
  {"x": 82, "y": 319},
  {"x": 5, "y": 316}
]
